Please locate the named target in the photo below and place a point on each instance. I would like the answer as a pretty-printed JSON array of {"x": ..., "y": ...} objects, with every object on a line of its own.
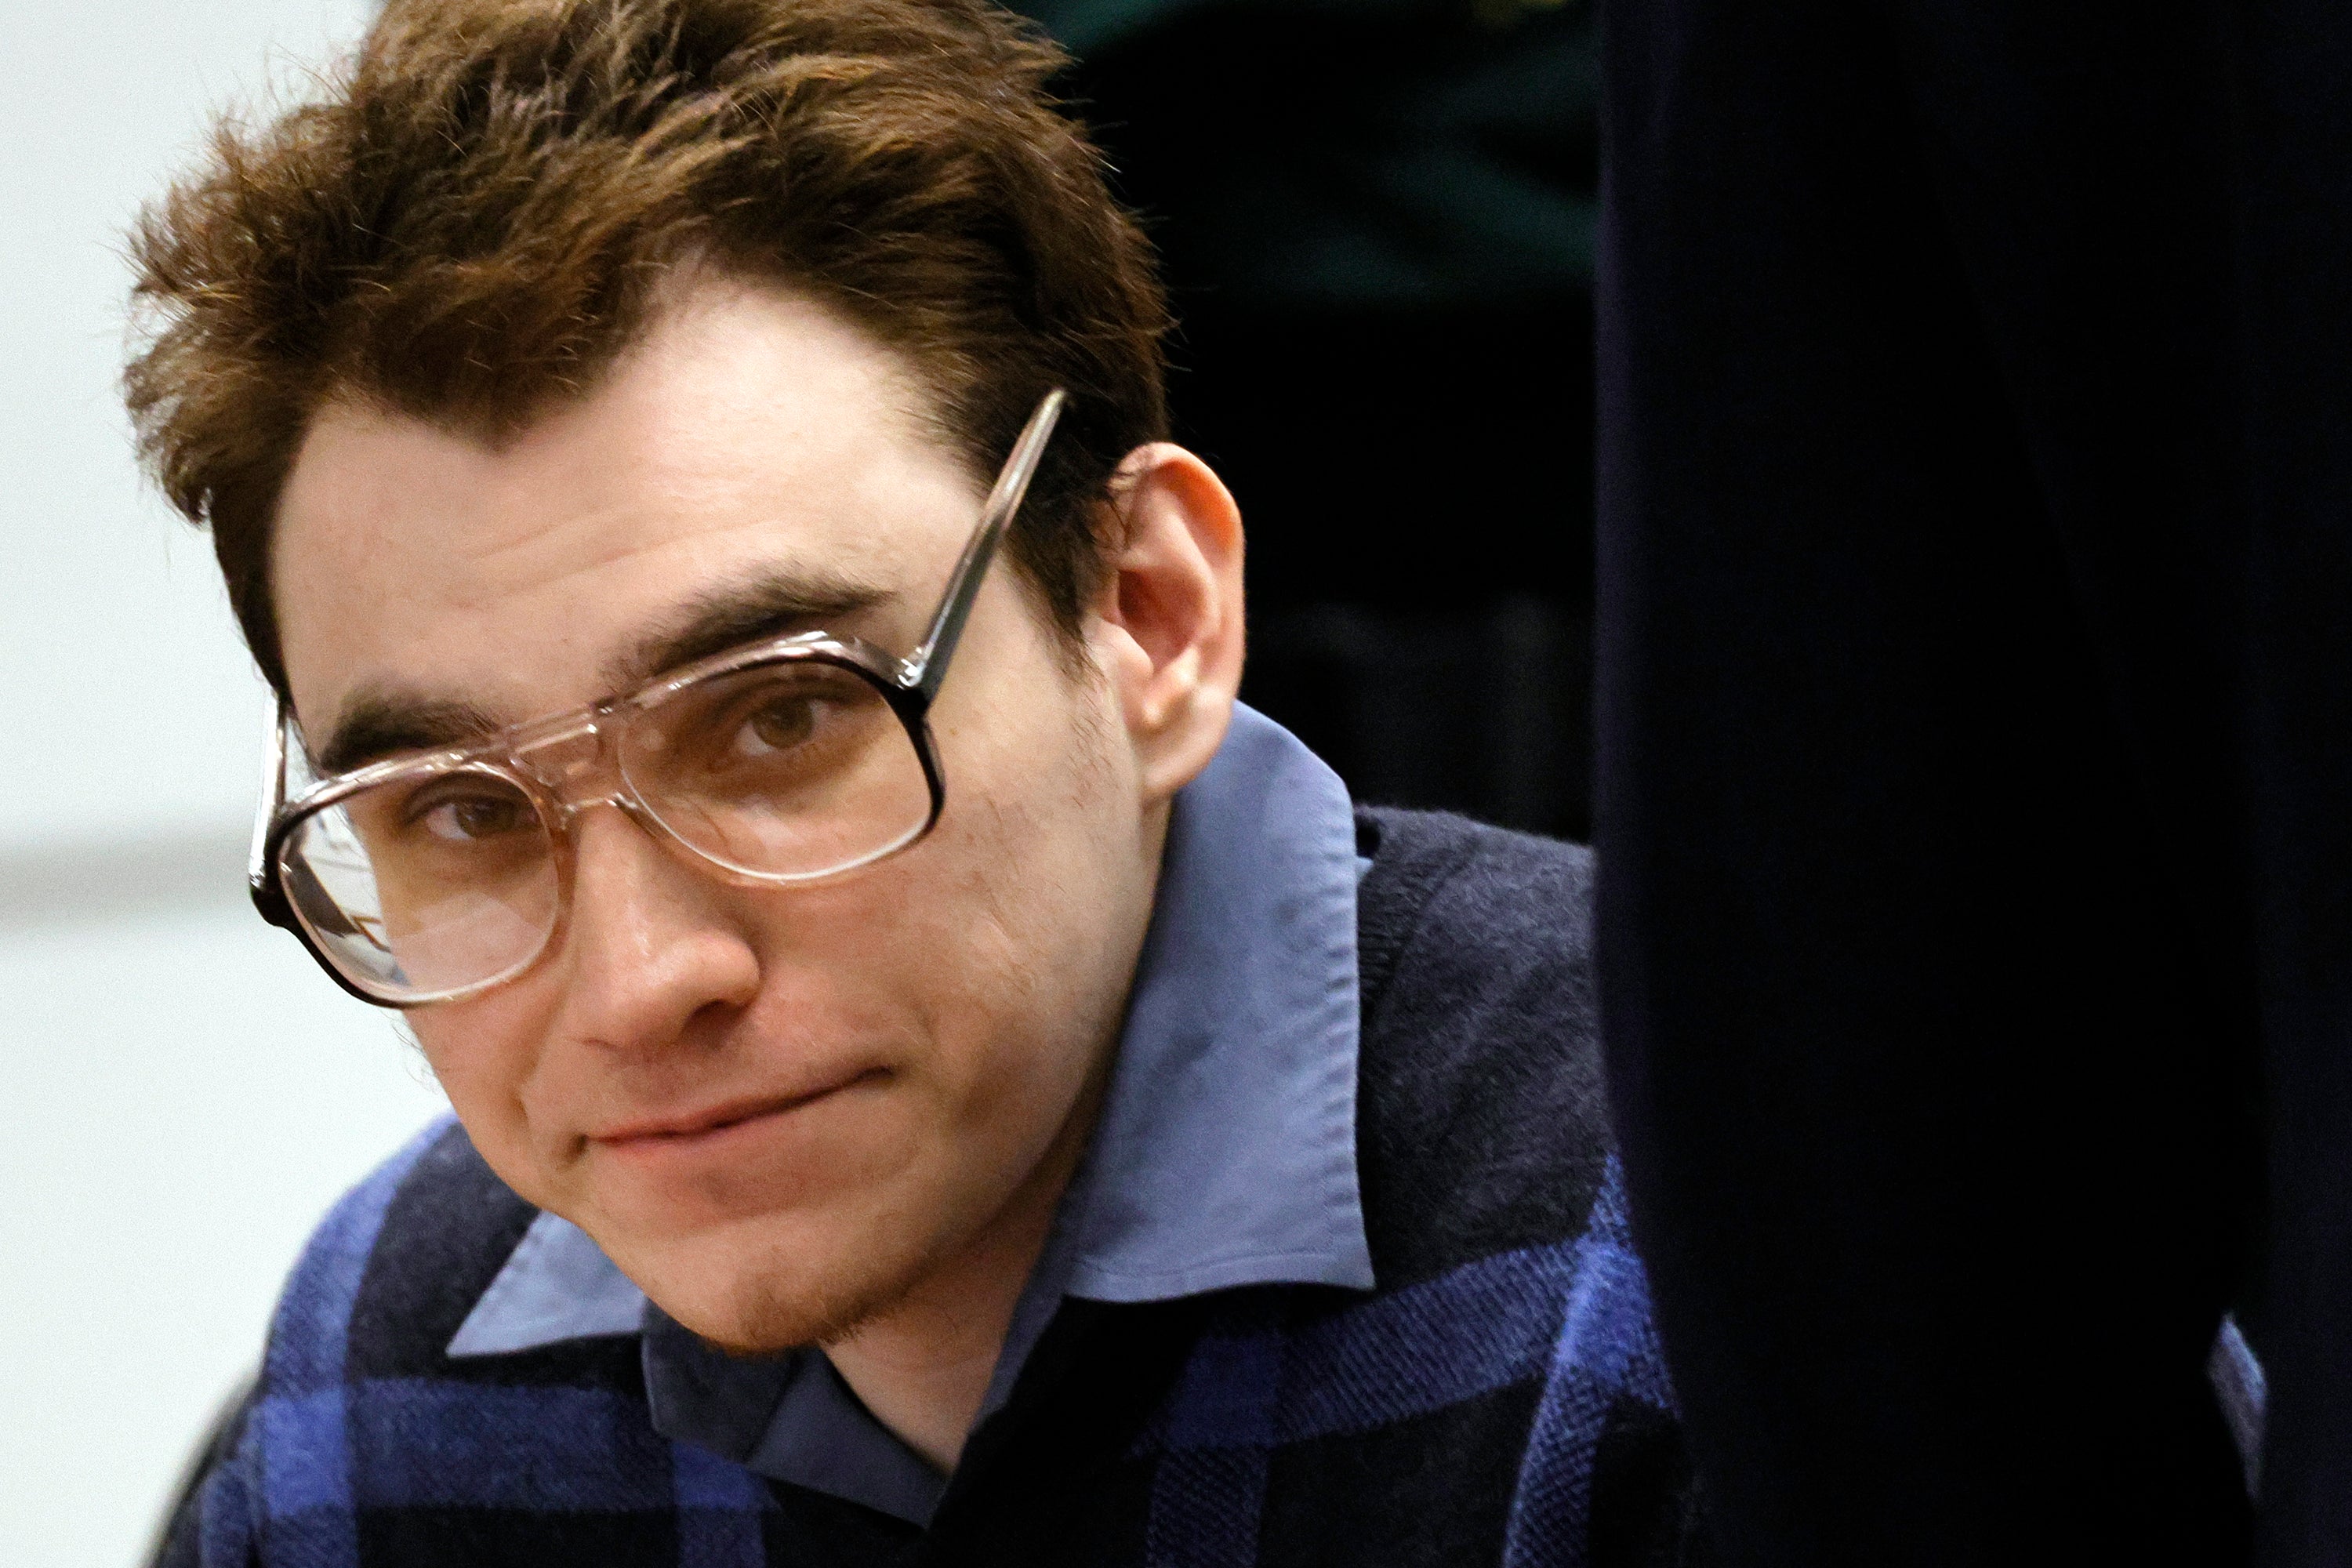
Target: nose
[{"x": 653, "y": 952}]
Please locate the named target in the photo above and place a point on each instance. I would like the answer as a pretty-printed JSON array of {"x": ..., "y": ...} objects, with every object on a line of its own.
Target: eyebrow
[
  {"x": 381, "y": 722},
  {"x": 767, "y": 605}
]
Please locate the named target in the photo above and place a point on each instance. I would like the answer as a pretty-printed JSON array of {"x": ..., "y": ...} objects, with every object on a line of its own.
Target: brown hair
[{"x": 477, "y": 219}]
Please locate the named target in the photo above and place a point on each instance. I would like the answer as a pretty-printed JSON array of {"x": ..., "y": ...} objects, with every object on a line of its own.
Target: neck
[{"x": 922, "y": 1365}]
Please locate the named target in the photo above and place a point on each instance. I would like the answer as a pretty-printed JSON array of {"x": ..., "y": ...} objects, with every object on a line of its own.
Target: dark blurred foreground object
[
  {"x": 1377, "y": 221},
  {"x": 1975, "y": 803}
]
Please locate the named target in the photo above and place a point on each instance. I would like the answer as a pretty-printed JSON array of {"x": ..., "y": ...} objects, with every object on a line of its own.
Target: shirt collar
[
  {"x": 1226, "y": 1151},
  {"x": 1226, "y": 1154}
]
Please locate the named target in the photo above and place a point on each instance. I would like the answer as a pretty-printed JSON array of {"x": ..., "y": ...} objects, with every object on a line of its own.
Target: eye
[
  {"x": 777, "y": 725},
  {"x": 471, "y": 818}
]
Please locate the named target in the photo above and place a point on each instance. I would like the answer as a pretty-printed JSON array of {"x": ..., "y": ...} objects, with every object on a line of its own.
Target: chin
[{"x": 757, "y": 1295}]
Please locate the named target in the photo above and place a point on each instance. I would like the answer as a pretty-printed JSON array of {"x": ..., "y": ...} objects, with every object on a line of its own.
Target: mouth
[{"x": 711, "y": 1125}]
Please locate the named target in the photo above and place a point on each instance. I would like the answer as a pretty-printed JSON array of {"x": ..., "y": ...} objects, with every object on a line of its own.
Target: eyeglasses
[{"x": 436, "y": 876}]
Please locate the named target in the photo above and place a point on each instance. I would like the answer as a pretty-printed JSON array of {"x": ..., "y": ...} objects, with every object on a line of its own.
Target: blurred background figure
[
  {"x": 1975, "y": 894},
  {"x": 1377, "y": 218}
]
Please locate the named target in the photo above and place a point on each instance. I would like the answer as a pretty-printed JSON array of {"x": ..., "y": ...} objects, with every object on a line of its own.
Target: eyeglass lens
[{"x": 439, "y": 880}]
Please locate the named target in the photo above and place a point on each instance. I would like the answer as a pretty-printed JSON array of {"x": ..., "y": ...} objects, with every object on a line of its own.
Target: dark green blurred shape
[
  {"x": 1347, "y": 154},
  {"x": 1377, "y": 218}
]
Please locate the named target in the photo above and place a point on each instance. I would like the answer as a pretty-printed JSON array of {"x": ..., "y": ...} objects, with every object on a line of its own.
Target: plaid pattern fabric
[
  {"x": 1576, "y": 1317},
  {"x": 322, "y": 1455},
  {"x": 1500, "y": 1399}
]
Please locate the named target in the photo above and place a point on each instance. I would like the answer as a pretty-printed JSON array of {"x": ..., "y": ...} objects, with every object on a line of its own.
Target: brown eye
[
  {"x": 778, "y": 727},
  {"x": 472, "y": 818}
]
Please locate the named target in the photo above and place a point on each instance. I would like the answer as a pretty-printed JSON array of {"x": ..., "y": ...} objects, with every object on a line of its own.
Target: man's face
[{"x": 775, "y": 1109}]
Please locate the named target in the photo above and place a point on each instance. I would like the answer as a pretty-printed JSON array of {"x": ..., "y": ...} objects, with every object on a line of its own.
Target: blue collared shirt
[{"x": 1225, "y": 1153}]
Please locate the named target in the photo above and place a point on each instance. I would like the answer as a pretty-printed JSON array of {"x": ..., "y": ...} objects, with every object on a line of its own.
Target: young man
[{"x": 935, "y": 1079}]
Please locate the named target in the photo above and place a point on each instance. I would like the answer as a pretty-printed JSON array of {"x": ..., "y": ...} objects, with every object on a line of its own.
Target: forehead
[{"x": 752, "y": 435}]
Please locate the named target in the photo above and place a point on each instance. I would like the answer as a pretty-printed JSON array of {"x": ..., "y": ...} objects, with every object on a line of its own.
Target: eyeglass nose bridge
[{"x": 579, "y": 767}]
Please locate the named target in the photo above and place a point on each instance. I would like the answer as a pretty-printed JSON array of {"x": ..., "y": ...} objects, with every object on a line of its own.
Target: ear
[{"x": 1168, "y": 618}]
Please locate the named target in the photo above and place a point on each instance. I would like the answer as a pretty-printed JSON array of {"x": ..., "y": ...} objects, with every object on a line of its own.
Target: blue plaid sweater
[{"x": 1498, "y": 1399}]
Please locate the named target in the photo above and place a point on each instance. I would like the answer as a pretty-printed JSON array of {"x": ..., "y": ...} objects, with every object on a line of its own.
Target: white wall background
[{"x": 181, "y": 1093}]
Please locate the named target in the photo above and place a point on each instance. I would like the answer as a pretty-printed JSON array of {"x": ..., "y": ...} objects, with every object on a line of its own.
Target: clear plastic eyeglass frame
[{"x": 908, "y": 686}]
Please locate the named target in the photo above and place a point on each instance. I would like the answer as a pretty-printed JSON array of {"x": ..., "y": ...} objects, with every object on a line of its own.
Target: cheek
[
  {"x": 482, "y": 1052},
  {"x": 1027, "y": 923}
]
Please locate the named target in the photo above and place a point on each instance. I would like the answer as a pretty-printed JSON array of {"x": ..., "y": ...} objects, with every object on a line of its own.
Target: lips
[{"x": 707, "y": 1123}]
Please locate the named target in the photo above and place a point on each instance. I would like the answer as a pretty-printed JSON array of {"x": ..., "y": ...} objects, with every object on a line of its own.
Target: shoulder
[
  {"x": 1483, "y": 1120},
  {"x": 397, "y": 1267},
  {"x": 367, "y": 1297},
  {"x": 1451, "y": 902},
  {"x": 394, "y": 1267},
  {"x": 362, "y": 1422}
]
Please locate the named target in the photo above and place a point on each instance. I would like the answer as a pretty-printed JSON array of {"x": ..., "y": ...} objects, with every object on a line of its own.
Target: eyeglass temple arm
[
  {"x": 928, "y": 664},
  {"x": 268, "y": 897}
]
